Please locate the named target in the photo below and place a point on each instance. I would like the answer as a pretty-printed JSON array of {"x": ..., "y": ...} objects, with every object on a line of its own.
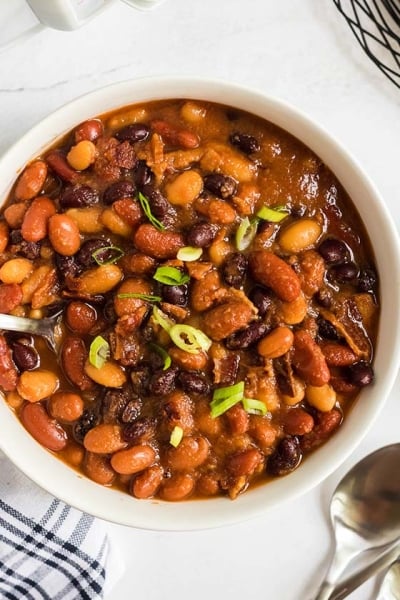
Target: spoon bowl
[
  {"x": 48, "y": 328},
  {"x": 390, "y": 587}
]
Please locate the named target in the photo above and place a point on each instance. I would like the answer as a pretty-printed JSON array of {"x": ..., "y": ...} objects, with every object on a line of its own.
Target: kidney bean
[
  {"x": 276, "y": 343},
  {"x": 346, "y": 272},
  {"x": 43, "y": 428},
  {"x": 245, "y": 142},
  {"x": 297, "y": 421},
  {"x": 220, "y": 185},
  {"x": 147, "y": 483},
  {"x": 86, "y": 422},
  {"x": 244, "y": 463},
  {"x": 333, "y": 251},
  {"x": 175, "y": 294},
  {"x": 64, "y": 235},
  {"x": 193, "y": 383},
  {"x": 78, "y": 196},
  {"x": 34, "y": 225},
  {"x": 163, "y": 382},
  {"x": 360, "y": 374},
  {"x": 37, "y": 385},
  {"x": 73, "y": 454},
  {"x": 104, "y": 439},
  {"x": 98, "y": 468},
  {"x": 133, "y": 460},
  {"x": 118, "y": 190},
  {"x": 273, "y": 272},
  {"x": 309, "y": 360},
  {"x": 66, "y": 406},
  {"x": 225, "y": 319},
  {"x": 325, "y": 425},
  {"x": 261, "y": 298},
  {"x": 140, "y": 431},
  {"x": 8, "y": 372},
  {"x": 190, "y": 454},
  {"x": 286, "y": 457},
  {"x": 177, "y": 487},
  {"x": 367, "y": 280},
  {"x": 202, "y": 235},
  {"x": 158, "y": 244},
  {"x": 238, "y": 420},
  {"x": 234, "y": 269},
  {"x": 25, "y": 357},
  {"x": 137, "y": 132},
  {"x": 174, "y": 135},
  {"x": 337, "y": 355},
  {"x": 10, "y": 297},
  {"x": 58, "y": 163},
  {"x": 89, "y": 130},
  {"x": 80, "y": 317},
  {"x": 73, "y": 359},
  {"x": 31, "y": 181},
  {"x": 245, "y": 338}
]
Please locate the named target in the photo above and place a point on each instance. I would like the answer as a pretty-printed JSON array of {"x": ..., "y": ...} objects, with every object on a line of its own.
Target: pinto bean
[
  {"x": 115, "y": 223},
  {"x": 128, "y": 210},
  {"x": 104, "y": 439},
  {"x": 297, "y": 421},
  {"x": 15, "y": 213},
  {"x": 185, "y": 188},
  {"x": 147, "y": 483},
  {"x": 64, "y": 235},
  {"x": 97, "y": 281},
  {"x": 187, "y": 361},
  {"x": 274, "y": 272},
  {"x": 80, "y": 317},
  {"x": 158, "y": 244},
  {"x": 15, "y": 270},
  {"x": 8, "y": 372},
  {"x": 299, "y": 235},
  {"x": 82, "y": 155},
  {"x": 133, "y": 460},
  {"x": 323, "y": 397},
  {"x": 98, "y": 468},
  {"x": 177, "y": 487},
  {"x": 223, "y": 320},
  {"x": 206, "y": 290},
  {"x": 190, "y": 454},
  {"x": 244, "y": 462},
  {"x": 309, "y": 360},
  {"x": 73, "y": 359},
  {"x": 66, "y": 406},
  {"x": 3, "y": 236},
  {"x": 31, "y": 181},
  {"x": 276, "y": 343},
  {"x": 43, "y": 428},
  {"x": 37, "y": 385},
  {"x": 34, "y": 225},
  {"x": 127, "y": 306},
  {"x": 110, "y": 374},
  {"x": 10, "y": 297}
]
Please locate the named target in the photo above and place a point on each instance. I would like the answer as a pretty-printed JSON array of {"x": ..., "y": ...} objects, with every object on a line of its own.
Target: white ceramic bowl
[{"x": 62, "y": 481}]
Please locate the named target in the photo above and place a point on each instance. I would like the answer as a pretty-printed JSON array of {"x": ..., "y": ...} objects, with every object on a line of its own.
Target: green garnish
[
  {"x": 164, "y": 355},
  {"x": 161, "y": 319},
  {"x": 146, "y": 297},
  {"x": 189, "y": 338},
  {"x": 170, "y": 276},
  {"x": 176, "y": 436},
  {"x": 274, "y": 215},
  {"x": 246, "y": 233},
  {"x": 145, "y": 204},
  {"x": 219, "y": 407},
  {"x": 254, "y": 407},
  {"x": 230, "y": 390},
  {"x": 107, "y": 253},
  {"x": 99, "y": 352},
  {"x": 189, "y": 253}
]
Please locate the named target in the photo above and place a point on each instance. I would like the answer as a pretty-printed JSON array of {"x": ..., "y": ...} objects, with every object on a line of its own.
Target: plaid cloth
[{"x": 48, "y": 550}]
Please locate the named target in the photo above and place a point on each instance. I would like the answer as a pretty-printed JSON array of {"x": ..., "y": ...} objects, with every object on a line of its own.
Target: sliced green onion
[
  {"x": 219, "y": 407},
  {"x": 230, "y": 390},
  {"x": 189, "y": 253},
  {"x": 254, "y": 407},
  {"x": 147, "y": 297},
  {"x": 275, "y": 215},
  {"x": 99, "y": 352},
  {"x": 176, "y": 436},
  {"x": 164, "y": 355},
  {"x": 106, "y": 251},
  {"x": 189, "y": 338},
  {"x": 170, "y": 276},
  {"x": 161, "y": 319},
  {"x": 145, "y": 204},
  {"x": 246, "y": 233}
]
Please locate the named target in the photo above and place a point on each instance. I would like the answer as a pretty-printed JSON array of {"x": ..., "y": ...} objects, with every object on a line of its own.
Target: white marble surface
[{"x": 298, "y": 50}]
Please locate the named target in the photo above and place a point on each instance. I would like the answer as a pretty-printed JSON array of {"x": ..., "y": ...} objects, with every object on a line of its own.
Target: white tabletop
[{"x": 301, "y": 51}]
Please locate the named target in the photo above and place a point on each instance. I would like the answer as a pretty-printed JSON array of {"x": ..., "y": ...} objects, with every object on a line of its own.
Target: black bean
[
  {"x": 113, "y": 404},
  {"x": 326, "y": 330},
  {"x": 131, "y": 411},
  {"x": 343, "y": 273},
  {"x": 245, "y": 142},
  {"x": 202, "y": 235},
  {"x": 333, "y": 251},
  {"x": 246, "y": 337},
  {"x": 140, "y": 431},
  {"x": 160, "y": 207},
  {"x": 234, "y": 269},
  {"x": 367, "y": 280},
  {"x": 175, "y": 294},
  {"x": 67, "y": 266},
  {"x": 360, "y": 374},
  {"x": 163, "y": 382},
  {"x": 87, "y": 421},
  {"x": 220, "y": 185},
  {"x": 20, "y": 246},
  {"x": 140, "y": 378},
  {"x": 193, "y": 383},
  {"x": 84, "y": 256},
  {"x": 143, "y": 174},
  {"x": 78, "y": 196},
  {"x": 25, "y": 357},
  {"x": 109, "y": 311},
  {"x": 137, "y": 132},
  {"x": 261, "y": 299},
  {"x": 324, "y": 298},
  {"x": 286, "y": 457},
  {"x": 118, "y": 190}
]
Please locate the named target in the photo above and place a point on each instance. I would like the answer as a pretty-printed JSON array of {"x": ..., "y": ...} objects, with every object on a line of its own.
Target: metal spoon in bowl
[
  {"x": 365, "y": 512},
  {"x": 46, "y": 328}
]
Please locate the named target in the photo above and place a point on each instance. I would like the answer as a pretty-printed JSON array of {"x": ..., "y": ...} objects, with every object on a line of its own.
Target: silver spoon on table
[
  {"x": 365, "y": 514},
  {"x": 46, "y": 328},
  {"x": 390, "y": 586}
]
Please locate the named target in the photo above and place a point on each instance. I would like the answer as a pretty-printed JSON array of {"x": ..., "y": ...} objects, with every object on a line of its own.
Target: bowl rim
[{"x": 62, "y": 481}]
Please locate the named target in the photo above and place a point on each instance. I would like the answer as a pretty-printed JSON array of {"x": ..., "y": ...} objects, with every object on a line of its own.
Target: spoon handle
[{"x": 341, "y": 558}]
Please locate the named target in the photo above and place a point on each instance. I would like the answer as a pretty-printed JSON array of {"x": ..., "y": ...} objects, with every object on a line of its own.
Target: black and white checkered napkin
[{"x": 48, "y": 550}]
